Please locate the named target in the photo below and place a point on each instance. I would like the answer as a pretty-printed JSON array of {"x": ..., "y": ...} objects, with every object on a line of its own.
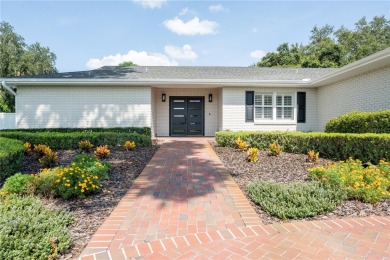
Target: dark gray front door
[{"x": 187, "y": 116}]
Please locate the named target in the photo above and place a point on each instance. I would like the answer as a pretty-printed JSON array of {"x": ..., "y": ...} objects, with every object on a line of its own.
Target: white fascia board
[{"x": 154, "y": 82}]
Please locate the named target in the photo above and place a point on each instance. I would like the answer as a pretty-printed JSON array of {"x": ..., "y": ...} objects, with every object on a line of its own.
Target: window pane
[
  {"x": 268, "y": 100},
  {"x": 279, "y": 112},
  {"x": 278, "y": 100},
  {"x": 258, "y": 112},
  {"x": 288, "y": 100},
  {"x": 288, "y": 112},
  {"x": 268, "y": 112},
  {"x": 258, "y": 100}
]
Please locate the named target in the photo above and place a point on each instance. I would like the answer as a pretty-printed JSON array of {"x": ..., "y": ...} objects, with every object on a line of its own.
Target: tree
[
  {"x": 19, "y": 59},
  {"x": 330, "y": 48},
  {"x": 127, "y": 64}
]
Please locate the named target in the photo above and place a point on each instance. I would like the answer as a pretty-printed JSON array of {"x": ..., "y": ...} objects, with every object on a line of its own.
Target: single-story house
[{"x": 201, "y": 100}]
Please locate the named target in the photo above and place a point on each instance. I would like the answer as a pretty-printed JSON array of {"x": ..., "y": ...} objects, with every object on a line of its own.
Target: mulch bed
[
  {"x": 91, "y": 212},
  {"x": 288, "y": 168}
]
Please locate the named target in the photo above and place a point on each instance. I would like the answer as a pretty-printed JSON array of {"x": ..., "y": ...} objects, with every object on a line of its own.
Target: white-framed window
[
  {"x": 274, "y": 107},
  {"x": 263, "y": 106},
  {"x": 284, "y": 106}
]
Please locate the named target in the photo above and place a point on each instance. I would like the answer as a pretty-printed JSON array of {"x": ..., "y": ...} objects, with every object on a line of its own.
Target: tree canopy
[
  {"x": 333, "y": 48},
  {"x": 18, "y": 59},
  {"x": 127, "y": 64}
]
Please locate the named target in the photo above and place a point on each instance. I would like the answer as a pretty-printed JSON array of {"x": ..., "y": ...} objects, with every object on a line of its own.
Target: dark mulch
[
  {"x": 288, "y": 168},
  {"x": 91, "y": 212}
]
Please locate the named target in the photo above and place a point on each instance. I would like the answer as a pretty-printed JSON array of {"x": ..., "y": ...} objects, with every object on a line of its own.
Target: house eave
[{"x": 154, "y": 82}]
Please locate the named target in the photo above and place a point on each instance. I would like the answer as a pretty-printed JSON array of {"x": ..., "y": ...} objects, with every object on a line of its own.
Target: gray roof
[{"x": 187, "y": 73}]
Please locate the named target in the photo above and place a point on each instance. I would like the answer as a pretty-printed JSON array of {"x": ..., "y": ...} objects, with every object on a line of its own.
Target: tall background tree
[
  {"x": 333, "y": 48},
  {"x": 19, "y": 59},
  {"x": 127, "y": 64}
]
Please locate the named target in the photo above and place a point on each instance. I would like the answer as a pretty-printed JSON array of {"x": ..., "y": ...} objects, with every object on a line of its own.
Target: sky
[{"x": 89, "y": 34}]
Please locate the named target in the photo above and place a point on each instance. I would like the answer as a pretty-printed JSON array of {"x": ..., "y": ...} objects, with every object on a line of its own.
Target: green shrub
[
  {"x": 82, "y": 177},
  {"x": 360, "y": 122},
  {"x": 366, "y": 147},
  {"x": 85, "y": 146},
  {"x": 49, "y": 158},
  {"x": 45, "y": 182},
  {"x": 139, "y": 130},
  {"x": 11, "y": 155},
  {"x": 58, "y": 140},
  {"x": 19, "y": 184},
  {"x": 29, "y": 230},
  {"x": 295, "y": 200},
  {"x": 369, "y": 184}
]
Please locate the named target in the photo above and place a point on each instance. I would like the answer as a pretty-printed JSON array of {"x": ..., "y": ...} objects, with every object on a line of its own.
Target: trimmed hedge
[
  {"x": 138, "y": 130},
  {"x": 11, "y": 154},
  {"x": 360, "y": 122},
  {"x": 366, "y": 147},
  {"x": 58, "y": 140}
]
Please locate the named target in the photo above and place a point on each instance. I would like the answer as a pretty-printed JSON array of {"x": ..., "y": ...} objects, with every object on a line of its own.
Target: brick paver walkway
[{"x": 185, "y": 205}]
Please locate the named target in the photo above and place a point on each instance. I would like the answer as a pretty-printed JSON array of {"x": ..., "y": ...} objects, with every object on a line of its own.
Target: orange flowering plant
[{"x": 370, "y": 184}]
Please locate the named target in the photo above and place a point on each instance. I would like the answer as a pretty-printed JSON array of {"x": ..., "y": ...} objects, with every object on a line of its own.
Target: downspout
[{"x": 8, "y": 88}]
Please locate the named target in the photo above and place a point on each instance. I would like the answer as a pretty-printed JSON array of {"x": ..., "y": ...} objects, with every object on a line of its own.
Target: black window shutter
[
  {"x": 301, "y": 102},
  {"x": 249, "y": 106}
]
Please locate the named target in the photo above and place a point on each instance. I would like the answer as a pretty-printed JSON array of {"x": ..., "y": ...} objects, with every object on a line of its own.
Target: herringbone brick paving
[{"x": 185, "y": 205}]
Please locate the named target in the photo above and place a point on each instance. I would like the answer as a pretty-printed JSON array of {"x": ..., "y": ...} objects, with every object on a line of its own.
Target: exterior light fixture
[
  {"x": 210, "y": 97},
  {"x": 163, "y": 97}
]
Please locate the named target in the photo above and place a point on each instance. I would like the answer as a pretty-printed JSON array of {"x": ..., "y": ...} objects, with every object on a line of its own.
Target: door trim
[{"x": 203, "y": 114}]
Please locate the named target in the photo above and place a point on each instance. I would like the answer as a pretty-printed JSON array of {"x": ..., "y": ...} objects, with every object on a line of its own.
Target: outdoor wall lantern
[
  {"x": 163, "y": 97},
  {"x": 210, "y": 97}
]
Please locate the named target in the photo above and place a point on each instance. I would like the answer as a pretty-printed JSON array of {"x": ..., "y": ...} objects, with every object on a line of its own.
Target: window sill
[{"x": 275, "y": 122}]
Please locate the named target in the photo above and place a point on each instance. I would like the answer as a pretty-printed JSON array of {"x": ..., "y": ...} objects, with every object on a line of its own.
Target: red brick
[
  {"x": 131, "y": 252},
  {"x": 156, "y": 246},
  {"x": 192, "y": 240},
  {"x": 168, "y": 244}
]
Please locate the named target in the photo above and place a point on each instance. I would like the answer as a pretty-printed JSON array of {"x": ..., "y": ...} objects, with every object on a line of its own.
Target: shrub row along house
[{"x": 199, "y": 101}]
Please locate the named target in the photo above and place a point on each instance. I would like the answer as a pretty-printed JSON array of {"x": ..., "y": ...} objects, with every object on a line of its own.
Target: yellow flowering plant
[
  {"x": 241, "y": 145},
  {"x": 82, "y": 177},
  {"x": 252, "y": 155},
  {"x": 369, "y": 184},
  {"x": 27, "y": 147},
  {"x": 129, "y": 145},
  {"x": 274, "y": 149},
  {"x": 312, "y": 156}
]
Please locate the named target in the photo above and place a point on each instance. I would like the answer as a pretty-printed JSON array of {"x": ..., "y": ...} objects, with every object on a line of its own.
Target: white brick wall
[
  {"x": 234, "y": 110},
  {"x": 368, "y": 92},
  {"x": 211, "y": 108},
  {"x": 83, "y": 106}
]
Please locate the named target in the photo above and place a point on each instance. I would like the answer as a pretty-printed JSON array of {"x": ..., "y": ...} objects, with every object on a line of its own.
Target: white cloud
[
  {"x": 141, "y": 58},
  {"x": 187, "y": 11},
  {"x": 258, "y": 54},
  {"x": 181, "y": 53},
  {"x": 151, "y": 3},
  {"x": 217, "y": 8},
  {"x": 192, "y": 27},
  {"x": 254, "y": 30}
]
